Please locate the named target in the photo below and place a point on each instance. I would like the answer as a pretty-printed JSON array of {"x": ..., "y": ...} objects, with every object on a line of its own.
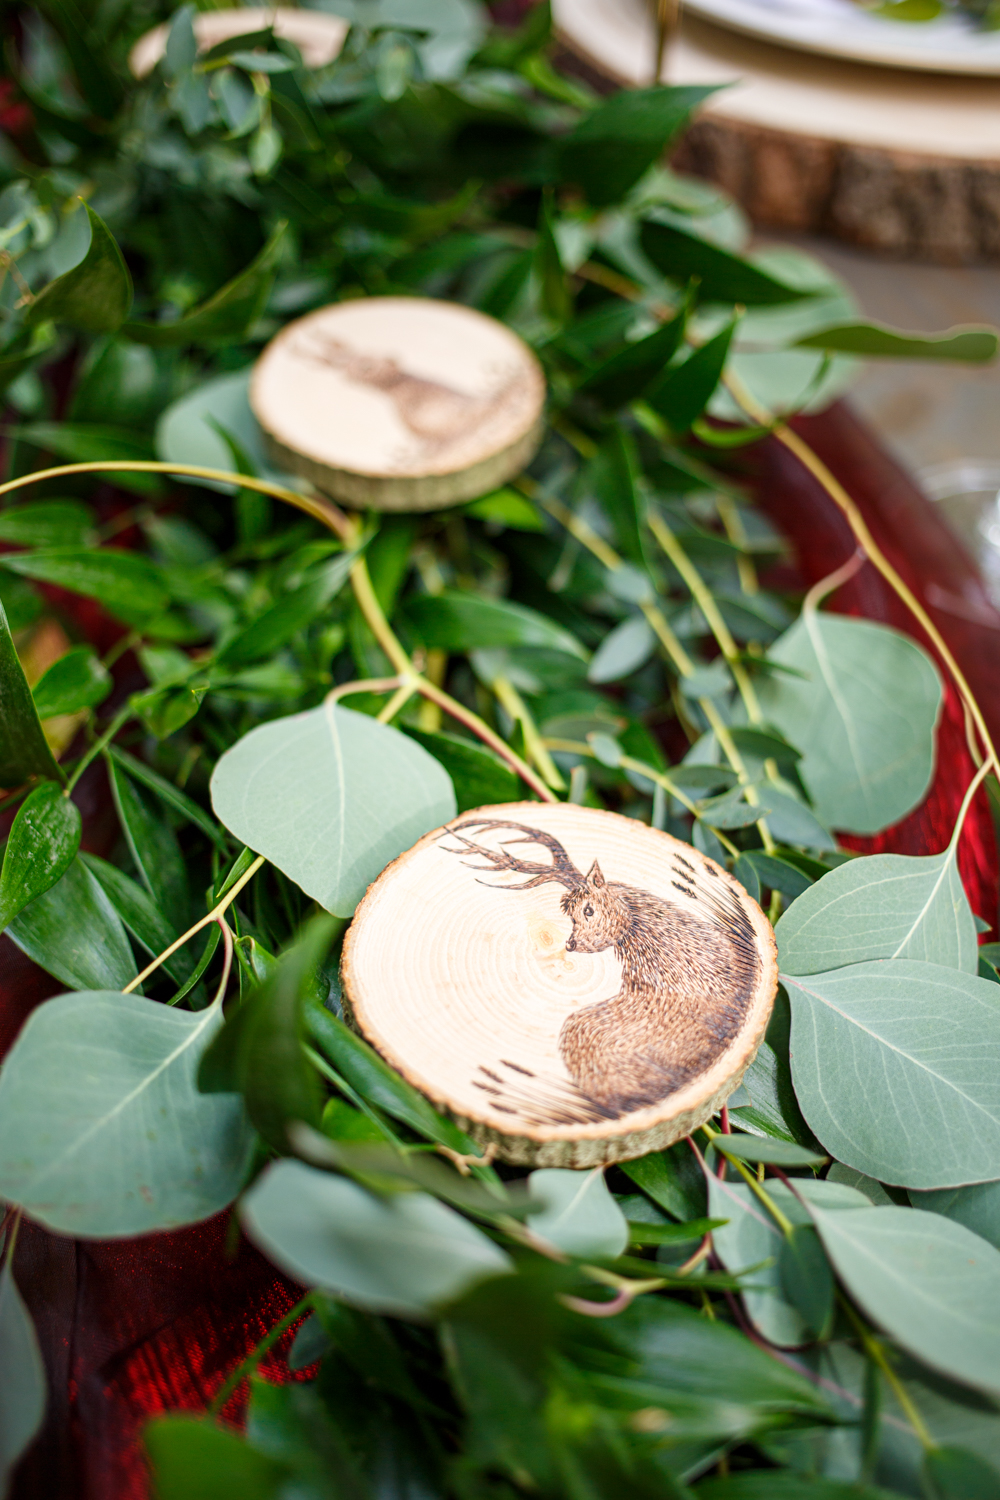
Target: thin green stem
[
  {"x": 212, "y": 916},
  {"x": 510, "y": 699},
  {"x": 875, "y": 1350},
  {"x": 120, "y": 719},
  {"x": 782, "y": 1221},
  {"x": 253, "y": 1359}
]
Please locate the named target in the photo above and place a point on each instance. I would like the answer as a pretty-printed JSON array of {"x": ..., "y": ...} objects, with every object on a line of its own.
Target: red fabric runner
[{"x": 131, "y": 1328}]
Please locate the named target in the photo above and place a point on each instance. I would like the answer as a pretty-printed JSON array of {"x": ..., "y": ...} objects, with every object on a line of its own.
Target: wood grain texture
[
  {"x": 571, "y": 986},
  {"x": 400, "y": 403},
  {"x": 895, "y": 160}
]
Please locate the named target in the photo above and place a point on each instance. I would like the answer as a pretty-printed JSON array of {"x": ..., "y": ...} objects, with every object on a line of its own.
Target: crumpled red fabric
[{"x": 132, "y": 1328}]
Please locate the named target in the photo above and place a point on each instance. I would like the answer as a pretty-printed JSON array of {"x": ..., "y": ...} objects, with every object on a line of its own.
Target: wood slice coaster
[
  {"x": 400, "y": 403},
  {"x": 893, "y": 159},
  {"x": 318, "y": 37},
  {"x": 572, "y": 987}
]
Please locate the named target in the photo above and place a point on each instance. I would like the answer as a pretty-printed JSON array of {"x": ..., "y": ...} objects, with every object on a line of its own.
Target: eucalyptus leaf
[
  {"x": 330, "y": 797},
  {"x": 77, "y": 680},
  {"x": 931, "y": 1284},
  {"x": 24, "y": 750},
  {"x": 883, "y": 906},
  {"x": 23, "y": 1387},
  {"x": 976, "y": 1206},
  {"x": 761, "y": 1149},
  {"x": 403, "y": 1255},
  {"x": 43, "y": 841},
  {"x": 575, "y": 1212},
  {"x": 863, "y": 712},
  {"x": 187, "y": 432},
  {"x": 125, "y": 1144},
  {"x": 887, "y": 1085},
  {"x": 73, "y": 932},
  {"x": 751, "y": 1237},
  {"x": 94, "y": 295},
  {"x": 623, "y": 651}
]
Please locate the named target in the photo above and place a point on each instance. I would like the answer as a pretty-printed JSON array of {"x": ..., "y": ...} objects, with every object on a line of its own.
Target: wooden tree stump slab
[
  {"x": 319, "y": 37},
  {"x": 400, "y": 403},
  {"x": 893, "y": 159},
  {"x": 573, "y": 987}
]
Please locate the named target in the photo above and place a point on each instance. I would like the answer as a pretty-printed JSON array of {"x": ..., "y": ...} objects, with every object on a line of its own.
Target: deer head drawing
[{"x": 600, "y": 918}]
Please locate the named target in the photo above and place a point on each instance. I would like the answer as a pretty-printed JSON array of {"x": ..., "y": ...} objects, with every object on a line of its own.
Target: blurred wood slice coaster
[
  {"x": 400, "y": 403},
  {"x": 318, "y": 37},
  {"x": 571, "y": 986}
]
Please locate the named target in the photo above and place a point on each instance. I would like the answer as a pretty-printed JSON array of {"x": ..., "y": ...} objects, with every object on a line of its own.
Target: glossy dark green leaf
[
  {"x": 228, "y": 315},
  {"x": 613, "y": 477},
  {"x": 787, "y": 1484},
  {"x": 259, "y": 1050},
  {"x": 291, "y": 613},
  {"x": 193, "y": 1458},
  {"x": 73, "y": 932},
  {"x": 375, "y": 1081},
  {"x": 23, "y": 1386},
  {"x": 77, "y": 680},
  {"x": 957, "y": 1474},
  {"x": 95, "y": 295},
  {"x": 627, "y": 373},
  {"x": 612, "y": 146},
  {"x": 682, "y": 392},
  {"x": 458, "y": 621},
  {"x": 478, "y": 776},
  {"x": 969, "y": 345},
  {"x": 128, "y": 585},
  {"x": 43, "y": 841},
  {"x": 507, "y": 508},
  {"x": 24, "y": 751},
  {"x": 553, "y": 289},
  {"x": 672, "y": 1178},
  {"x": 21, "y": 353},
  {"x": 141, "y": 916},
  {"x": 153, "y": 846},
  {"x": 775, "y": 873},
  {"x": 98, "y": 81},
  {"x": 46, "y": 523},
  {"x": 171, "y": 795},
  {"x": 807, "y": 1280},
  {"x": 721, "y": 276}
]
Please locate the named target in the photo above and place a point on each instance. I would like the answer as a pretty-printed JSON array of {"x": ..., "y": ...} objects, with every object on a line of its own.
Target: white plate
[{"x": 839, "y": 28}]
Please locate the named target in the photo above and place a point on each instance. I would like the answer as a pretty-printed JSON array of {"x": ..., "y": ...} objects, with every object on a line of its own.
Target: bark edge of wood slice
[
  {"x": 588, "y": 991},
  {"x": 400, "y": 403}
]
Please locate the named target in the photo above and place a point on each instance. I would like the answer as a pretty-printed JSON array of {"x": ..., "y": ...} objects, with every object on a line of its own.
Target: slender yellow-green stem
[
  {"x": 782, "y": 1221},
  {"x": 253, "y": 1359},
  {"x": 212, "y": 916},
  {"x": 510, "y": 699},
  {"x": 874, "y": 1349}
]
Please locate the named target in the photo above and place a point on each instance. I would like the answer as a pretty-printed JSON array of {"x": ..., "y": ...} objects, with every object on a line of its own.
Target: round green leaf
[
  {"x": 932, "y": 1285},
  {"x": 102, "y": 1129},
  {"x": 863, "y": 713},
  {"x": 330, "y": 797},
  {"x": 402, "y": 1255},
  {"x": 884, "y": 906},
  {"x": 22, "y": 1378},
  {"x": 896, "y": 1067},
  {"x": 575, "y": 1212}
]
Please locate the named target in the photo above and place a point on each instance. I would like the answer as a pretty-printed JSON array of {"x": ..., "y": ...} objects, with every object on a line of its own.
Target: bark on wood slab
[
  {"x": 318, "y": 37},
  {"x": 573, "y": 987},
  {"x": 400, "y": 403},
  {"x": 892, "y": 159}
]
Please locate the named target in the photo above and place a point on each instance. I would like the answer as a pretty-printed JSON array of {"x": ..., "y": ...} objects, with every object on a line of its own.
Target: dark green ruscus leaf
[
  {"x": 95, "y": 295},
  {"x": 24, "y": 750},
  {"x": 43, "y": 841}
]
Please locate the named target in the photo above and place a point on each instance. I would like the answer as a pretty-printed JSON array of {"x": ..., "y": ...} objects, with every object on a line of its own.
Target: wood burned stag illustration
[{"x": 687, "y": 983}]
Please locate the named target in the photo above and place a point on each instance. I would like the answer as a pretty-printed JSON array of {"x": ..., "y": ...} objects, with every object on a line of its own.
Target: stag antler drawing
[{"x": 562, "y": 868}]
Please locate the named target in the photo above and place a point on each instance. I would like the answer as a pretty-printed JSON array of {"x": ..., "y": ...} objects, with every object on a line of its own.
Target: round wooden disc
[
  {"x": 897, "y": 160},
  {"x": 569, "y": 985},
  {"x": 318, "y": 37},
  {"x": 400, "y": 403}
]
